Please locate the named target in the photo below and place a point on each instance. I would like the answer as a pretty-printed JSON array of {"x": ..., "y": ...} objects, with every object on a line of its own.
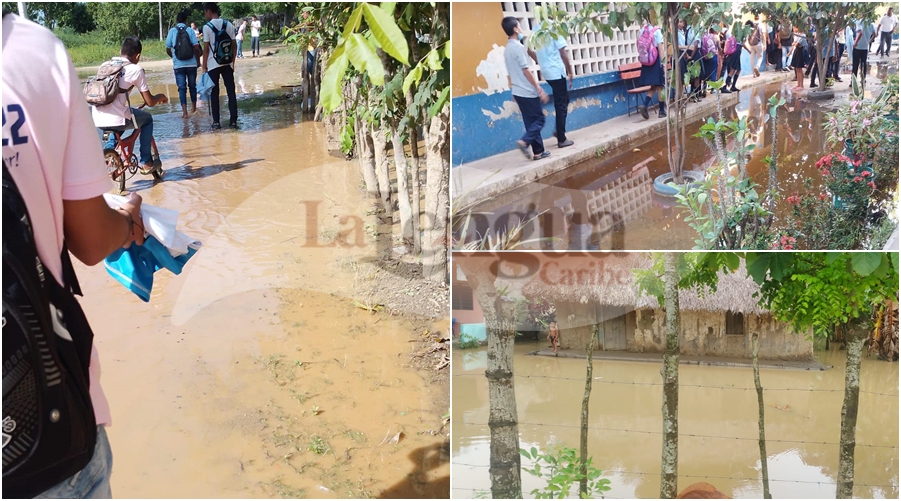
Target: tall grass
[{"x": 90, "y": 49}]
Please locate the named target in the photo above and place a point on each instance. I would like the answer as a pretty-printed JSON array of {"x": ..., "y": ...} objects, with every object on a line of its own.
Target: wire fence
[
  {"x": 693, "y": 435},
  {"x": 681, "y": 385},
  {"x": 717, "y": 477}
]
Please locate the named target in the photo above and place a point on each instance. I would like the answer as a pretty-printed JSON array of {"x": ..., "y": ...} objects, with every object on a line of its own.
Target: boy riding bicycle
[{"x": 119, "y": 115}]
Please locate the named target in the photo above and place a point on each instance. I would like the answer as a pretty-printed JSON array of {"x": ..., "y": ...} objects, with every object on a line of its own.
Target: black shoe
[
  {"x": 643, "y": 111},
  {"x": 233, "y": 125},
  {"x": 661, "y": 114},
  {"x": 724, "y": 90},
  {"x": 216, "y": 126},
  {"x": 734, "y": 89}
]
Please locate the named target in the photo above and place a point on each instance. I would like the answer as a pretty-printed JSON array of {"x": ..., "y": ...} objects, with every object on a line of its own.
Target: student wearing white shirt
[
  {"x": 119, "y": 113},
  {"x": 255, "y": 36},
  {"x": 887, "y": 26}
]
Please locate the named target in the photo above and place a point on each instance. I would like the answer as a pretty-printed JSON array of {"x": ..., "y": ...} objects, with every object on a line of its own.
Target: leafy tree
[
  {"x": 663, "y": 281},
  {"x": 828, "y": 18},
  {"x": 822, "y": 290},
  {"x": 604, "y": 17},
  {"x": 118, "y": 20}
]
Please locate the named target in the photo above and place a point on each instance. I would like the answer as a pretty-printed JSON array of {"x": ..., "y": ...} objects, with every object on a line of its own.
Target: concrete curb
[
  {"x": 583, "y": 151},
  {"x": 683, "y": 360}
]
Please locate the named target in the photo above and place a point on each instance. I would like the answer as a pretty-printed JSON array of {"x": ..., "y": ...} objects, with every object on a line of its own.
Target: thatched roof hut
[
  {"x": 599, "y": 293},
  {"x": 735, "y": 291}
]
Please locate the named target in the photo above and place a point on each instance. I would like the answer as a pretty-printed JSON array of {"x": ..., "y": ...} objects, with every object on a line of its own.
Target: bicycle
[{"x": 122, "y": 163}]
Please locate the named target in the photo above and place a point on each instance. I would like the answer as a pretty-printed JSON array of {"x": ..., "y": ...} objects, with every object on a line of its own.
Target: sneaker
[
  {"x": 564, "y": 144},
  {"x": 216, "y": 126},
  {"x": 233, "y": 125},
  {"x": 661, "y": 114},
  {"x": 643, "y": 111}
]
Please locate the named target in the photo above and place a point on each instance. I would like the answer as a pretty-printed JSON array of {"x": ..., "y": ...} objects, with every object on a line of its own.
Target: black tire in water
[{"x": 115, "y": 168}]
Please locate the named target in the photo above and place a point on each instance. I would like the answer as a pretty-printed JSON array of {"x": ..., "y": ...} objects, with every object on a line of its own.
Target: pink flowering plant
[
  {"x": 849, "y": 180},
  {"x": 863, "y": 124}
]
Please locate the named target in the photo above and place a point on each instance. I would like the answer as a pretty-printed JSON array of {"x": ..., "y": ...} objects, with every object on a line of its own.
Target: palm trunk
[
  {"x": 500, "y": 319},
  {"x": 583, "y": 439},
  {"x": 760, "y": 419},
  {"x": 437, "y": 204},
  {"x": 670, "y": 457},
  {"x": 403, "y": 187},
  {"x": 856, "y": 334}
]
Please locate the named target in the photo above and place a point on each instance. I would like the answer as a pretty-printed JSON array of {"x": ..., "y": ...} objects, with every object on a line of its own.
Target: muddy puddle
[
  {"x": 626, "y": 424},
  {"x": 620, "y": 185},
  {"x": 256, "y": 372}
]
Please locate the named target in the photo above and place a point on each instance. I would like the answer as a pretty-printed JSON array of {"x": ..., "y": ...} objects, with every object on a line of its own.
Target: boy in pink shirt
[{"x": 54, "y": 156}]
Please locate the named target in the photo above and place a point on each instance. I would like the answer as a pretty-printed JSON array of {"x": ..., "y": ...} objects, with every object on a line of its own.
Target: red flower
[
  {"x": 793, "y": 200},
  {"x": 865, "y": 173},
  {"x": 871, "y": 184},
  {"x": 823, "y": 196},
  {"x": 857, "y": 179}
]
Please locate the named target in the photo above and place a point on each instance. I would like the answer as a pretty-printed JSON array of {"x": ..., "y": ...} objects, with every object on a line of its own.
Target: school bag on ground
[
  {"x": 647, "y": 49},
  {"x": 731, "y": 46},
  {"x": 103, "y": 88},
  {"x": 184, "y": 49},
  {"x": 49, "y": 428},
  {"x": 223, "y": 44}
]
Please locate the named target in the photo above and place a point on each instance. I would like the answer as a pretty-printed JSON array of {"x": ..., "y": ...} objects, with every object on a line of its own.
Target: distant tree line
[{"x": 116, "y": 20}]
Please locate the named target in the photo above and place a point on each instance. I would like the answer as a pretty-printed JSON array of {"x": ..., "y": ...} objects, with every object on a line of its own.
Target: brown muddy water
[
  {"x": 253, "y": 373},
  {"x": 621, "y": 184},
  {"x": 626, "y": 425}
]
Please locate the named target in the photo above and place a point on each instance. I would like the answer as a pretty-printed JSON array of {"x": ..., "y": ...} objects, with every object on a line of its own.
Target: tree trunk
[
  {"x": 417, "y": 192},
  {"x": 500, "y": 320},
  {"x": 760, "y": 419},
  {"x": 855, "y": 336},
  {"x": 414, "y": 153},
  {"x": 380, "y": 150},
  {"x": 676, "y": 134},
  {"x": 403, "y": 187},
  {"x": 367, "y": 159},
  {"x": 583, "y": 439},
  {"x": 435, "y": 245},
  {"x": 670, "y": 458}
]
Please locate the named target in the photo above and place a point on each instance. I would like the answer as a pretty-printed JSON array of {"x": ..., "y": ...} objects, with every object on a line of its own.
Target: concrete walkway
[
  {"x": 489, "y": 177},
  {"x": 624, "y": 356}
]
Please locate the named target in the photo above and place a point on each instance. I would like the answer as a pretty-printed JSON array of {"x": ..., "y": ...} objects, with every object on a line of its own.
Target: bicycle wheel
[
  {"x": 133, "y": 167},
  {"x": 115, "y": 168}
]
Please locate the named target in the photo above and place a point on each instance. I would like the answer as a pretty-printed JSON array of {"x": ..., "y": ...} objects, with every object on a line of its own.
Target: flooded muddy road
[
  {"x": 717, "y": 424},
  {"x": 261, "y": 370},
  {"x": 619, "y": 184}
]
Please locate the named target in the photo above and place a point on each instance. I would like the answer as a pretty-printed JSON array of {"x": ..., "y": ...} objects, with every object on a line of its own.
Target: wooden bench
[{"x": 629, "y": 73}]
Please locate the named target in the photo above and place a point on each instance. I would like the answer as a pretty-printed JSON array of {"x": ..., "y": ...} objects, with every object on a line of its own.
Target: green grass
[{"x": 90, "y": 49}]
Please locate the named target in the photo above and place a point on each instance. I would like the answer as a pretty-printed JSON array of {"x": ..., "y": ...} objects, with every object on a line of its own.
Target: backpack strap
[{"x": 70, "y": 280}]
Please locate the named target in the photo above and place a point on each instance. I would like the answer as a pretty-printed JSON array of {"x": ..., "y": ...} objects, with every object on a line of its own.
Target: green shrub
[
  {"x": 91, "y": 49},
  {"x": 468, "y": 342}
]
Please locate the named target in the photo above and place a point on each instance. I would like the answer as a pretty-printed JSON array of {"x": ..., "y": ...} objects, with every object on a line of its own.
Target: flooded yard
[
  {"x": 717, "y": 424},
  {"x": 262, "y": 370},
  {"x": 618, "y": 185}
]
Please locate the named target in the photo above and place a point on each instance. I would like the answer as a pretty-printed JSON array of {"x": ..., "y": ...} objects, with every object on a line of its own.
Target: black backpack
[
  {"x": 49, "y": 429},
  {"x": 184, "y": 49},
  {"x": 223, "y": 46}
]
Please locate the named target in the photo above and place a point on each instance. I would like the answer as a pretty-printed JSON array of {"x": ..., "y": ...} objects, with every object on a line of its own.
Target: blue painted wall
[{"x": 476, "y": 136}]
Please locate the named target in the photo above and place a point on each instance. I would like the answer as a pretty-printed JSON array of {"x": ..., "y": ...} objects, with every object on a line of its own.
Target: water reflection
[
  {"x": 610, "y": 203},
  {"x": 718, "y": 426}
]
